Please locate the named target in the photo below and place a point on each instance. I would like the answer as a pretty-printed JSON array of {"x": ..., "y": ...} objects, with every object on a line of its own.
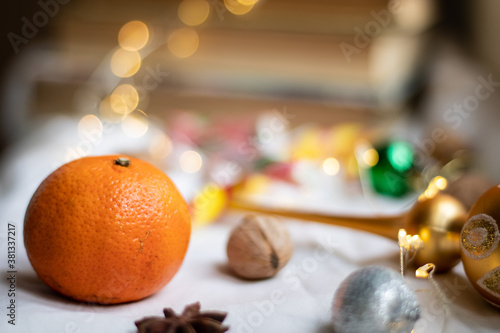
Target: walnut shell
[{"x": 259, "y": 247}]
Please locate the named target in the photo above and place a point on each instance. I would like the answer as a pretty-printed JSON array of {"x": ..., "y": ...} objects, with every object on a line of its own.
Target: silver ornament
[{"x": 374, "y": 299}]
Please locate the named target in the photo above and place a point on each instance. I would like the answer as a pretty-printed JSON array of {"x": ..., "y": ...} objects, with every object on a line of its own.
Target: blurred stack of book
[{"x": 319, "y": 55}]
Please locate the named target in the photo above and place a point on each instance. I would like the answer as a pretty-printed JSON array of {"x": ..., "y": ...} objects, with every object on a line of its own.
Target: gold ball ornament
[
  {"x": 479, "y": 245},
  {"x": 438, "y": 221}
]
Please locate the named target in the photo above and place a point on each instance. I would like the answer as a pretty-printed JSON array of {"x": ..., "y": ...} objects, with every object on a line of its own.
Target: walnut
[{"x": 259, "y": 247}]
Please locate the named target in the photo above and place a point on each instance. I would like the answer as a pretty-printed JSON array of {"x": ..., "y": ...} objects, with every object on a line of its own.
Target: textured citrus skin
[{"x": 99, "y": 232}]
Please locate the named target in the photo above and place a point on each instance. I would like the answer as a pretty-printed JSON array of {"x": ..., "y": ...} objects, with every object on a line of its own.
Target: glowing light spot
[
  {"x": 401, "y": 234},
  {"x": 160, "y": 147},
  {"x": 124, "y": 99},
  {"x": 331, "y": 166},
  {"x": 425, "y": 271},
  {"x": 370, "y": 157},
  {"x": 90, "y": 128},
  {"x": 440, "y": 182},
  {"x": 190, "y": 161},
  {"x": 193, "y": 12},
  {"x": 133, "y": 36},
  {"x": 106, "y": 111},
  {"x": 135, "y": 124},
  {"x": 400, "y": 156},
  {"x": 183, "y": 42},
  {"x": 238, "y": 8},
  {"x": 424, "y": 234},
  {"x": 248, "y": 2},
  {"x": 430, "y": 192},
  {"x": 125, "y": 63}
]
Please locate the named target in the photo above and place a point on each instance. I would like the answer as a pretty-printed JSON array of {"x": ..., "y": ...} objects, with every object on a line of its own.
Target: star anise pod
[{"x": 192, "y": 320}]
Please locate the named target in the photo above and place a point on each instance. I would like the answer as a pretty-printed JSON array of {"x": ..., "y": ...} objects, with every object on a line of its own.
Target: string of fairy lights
[
  {"x": 126, "y": 103},
  {"x": 121, "y": 106}
]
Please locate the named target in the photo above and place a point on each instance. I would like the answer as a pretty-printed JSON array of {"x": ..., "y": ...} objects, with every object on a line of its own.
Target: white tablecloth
[{"x": 298, "y": 299}]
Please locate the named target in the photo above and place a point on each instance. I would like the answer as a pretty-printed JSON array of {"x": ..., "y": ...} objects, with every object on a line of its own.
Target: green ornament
[{"x": 390, "y": 176}]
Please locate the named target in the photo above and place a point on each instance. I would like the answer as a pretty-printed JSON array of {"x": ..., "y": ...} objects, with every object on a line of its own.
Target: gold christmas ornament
[
  {"x": 436, "y": 219},
  {"x": 438, "y": 222},
  {"x": 479, "y": 245},
  {"x": 259, "y": 247}
]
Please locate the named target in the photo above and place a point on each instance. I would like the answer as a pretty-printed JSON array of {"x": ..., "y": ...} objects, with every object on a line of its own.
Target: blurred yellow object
[
  {"x": 248, "y": 2},
  {"x": 308, "y": 145},
  {"x": 316, "y": 143},
  {"x": 183, "y": 42},
  {"x": 344, "y": 139},
  {"x": 125, "y": 63},
  {"x": 238, "y": 7},
  {"x": 208, "y": 204},
  {"x": 133, "y": 36},
  {"x": 193, "y": 12},
  {"x": 124, "y": 99},
  {"x": 370, "y": 157},
  {"x": 107, "y": 113},
  {"x": 255, "y": 184}
]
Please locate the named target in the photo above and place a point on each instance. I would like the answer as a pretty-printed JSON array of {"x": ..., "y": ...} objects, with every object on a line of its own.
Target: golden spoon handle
[{"x": 386, "y": 226}]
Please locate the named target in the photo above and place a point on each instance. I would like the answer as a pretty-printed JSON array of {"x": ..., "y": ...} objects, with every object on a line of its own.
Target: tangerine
[{"x": 107, "y": 229}]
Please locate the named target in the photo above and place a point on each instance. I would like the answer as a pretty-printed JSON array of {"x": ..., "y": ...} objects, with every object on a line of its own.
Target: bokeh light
[
  {"x": 133, "y": 36},
  {"x": 248, "y": 2},
  {"x": 190, "y": 161},
  {"x": 135, "y": 124},
  {"x": 183, "y": 42},
  {"x": 237, "y": 8},
  {"x": 90, "y": 128},
  {"x": 430, "y": 192},
  {"x": 331, "y": 166},
  {"x": 125, "y": 63},
  {"x": 400, "y": 155},
  {"x": 370, "y": 157},
  {"x": 107, "y": 113},
  {"x": 193, "y": 12},
  {"x": 124, "y": 99},
  {"x": 441, "y": 182},
  {"x": 160, "y": 146}
]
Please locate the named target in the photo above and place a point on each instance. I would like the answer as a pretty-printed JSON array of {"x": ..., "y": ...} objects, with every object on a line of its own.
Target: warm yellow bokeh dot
[
  {"x": 193, "y": 12},
  {"x": 430, "y": 192},
  {"x": 90, "y": 128},
  {"x": 237, "y": 8},
  {"x": 370, "y": 157},
  {"x": 331, "y": 166},
  {"x": 135, "y": 124},
  {"x": 183, "y": 42},
  {"x": 248, "y": 2},
  {"x": 190, "y": 161},
  {"x": 441, "y": 182},
  {"x": 125, "y": 63},
  {"x": 107, "y": 113},
  {"x": 160, "y": 147},
  {"x": 124, "y": 99},
  {"x": 133, "y": 36}
]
